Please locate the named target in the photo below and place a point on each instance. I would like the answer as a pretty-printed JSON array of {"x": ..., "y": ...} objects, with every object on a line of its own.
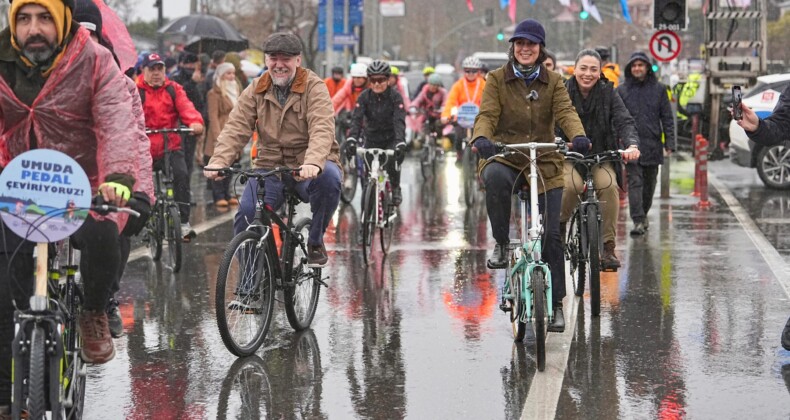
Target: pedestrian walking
[
  {"x": 220, "y": 101},
  {"x": 646, "y": 98}
]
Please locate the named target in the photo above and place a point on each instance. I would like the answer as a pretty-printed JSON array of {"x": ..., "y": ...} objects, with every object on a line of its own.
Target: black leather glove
[
  {"x": 485, "y": 148},
  {"x": 351, "y": 147},
  {"x": 141, "y": 204},
  {"x": 400, "y": 152},
  {"x": 581, "y": 144}
]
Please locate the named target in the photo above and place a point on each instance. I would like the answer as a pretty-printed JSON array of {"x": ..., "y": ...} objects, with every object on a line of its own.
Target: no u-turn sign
[{"x": 665, "y": 45}]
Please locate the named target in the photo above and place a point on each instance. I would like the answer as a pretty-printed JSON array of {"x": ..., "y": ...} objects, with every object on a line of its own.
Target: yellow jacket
[{"x": 612, "y": 73}]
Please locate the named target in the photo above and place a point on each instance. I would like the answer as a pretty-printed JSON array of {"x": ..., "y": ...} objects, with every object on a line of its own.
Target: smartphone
[{"x": 737, "y": 113}]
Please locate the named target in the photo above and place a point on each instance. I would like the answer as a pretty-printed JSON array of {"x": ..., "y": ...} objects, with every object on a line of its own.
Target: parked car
[{"x": 772, "y": 162}]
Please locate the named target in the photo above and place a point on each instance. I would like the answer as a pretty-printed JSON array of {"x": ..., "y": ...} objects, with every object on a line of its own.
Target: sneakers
[
  {"x": 316, "y": 256},
  {"x": 558, "y": 323},
  {"x": 97, "y": 347},
  {"x": 233, "y": 201},
  {"x": 609, "y": 261},
  {"x": 114, "y": 320},
  {"x": 187, "y": 232},
  {"x": 221, "y": 203},
  {"x": 498, "y": 259},
  {"x": 397, "y": 196},
  {"x": 639, "y": 229}
]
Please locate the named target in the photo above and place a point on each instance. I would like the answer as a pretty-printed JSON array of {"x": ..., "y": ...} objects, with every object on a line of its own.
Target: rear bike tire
[
  {"x": 577, "y": 255},
  {"x": 539, "y": 314},
  {"x": 517, "y": 306},
  {"x": 37, "y": 386},
  {"x": 594, "y": 257},
  {"x": 368, "y": 222},
  {"x": 348, "y": 188},
  {"x": 386, "y": 232},
  {"x": 244, "y": 316},
  {"x": 470, "y": 177},
  {"x": 174, "y": 238},
  {"x": 301, "y": 299},
  {"x": 154, "y": 232}
]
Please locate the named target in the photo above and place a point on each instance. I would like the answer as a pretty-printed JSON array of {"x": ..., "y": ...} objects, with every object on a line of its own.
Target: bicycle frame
[{"x": 379, "y": 176}]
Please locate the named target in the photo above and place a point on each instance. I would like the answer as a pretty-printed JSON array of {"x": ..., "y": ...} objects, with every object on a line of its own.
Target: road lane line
[
  {"x": 545, "y": 388},
  {"x": 142, "y": 251},
  {"x": 775, "y": 261}
]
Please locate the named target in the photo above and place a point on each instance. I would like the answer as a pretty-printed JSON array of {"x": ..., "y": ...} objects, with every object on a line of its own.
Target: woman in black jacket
[{"x": 605, "y": 120}]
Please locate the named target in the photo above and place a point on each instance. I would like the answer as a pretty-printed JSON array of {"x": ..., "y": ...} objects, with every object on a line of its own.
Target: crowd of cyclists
[{"x": 47, "y": 58}]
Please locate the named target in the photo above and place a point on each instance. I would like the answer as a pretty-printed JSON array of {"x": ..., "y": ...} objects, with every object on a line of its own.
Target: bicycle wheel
[
  {"x": 154, "y": 231},
  {"x": 594, "y": 256},
  {"x": 469, "y": 176},
  {"x": 245, "y": 293},
  {"x": 301, "y": 299},
  {"x": 539, "y": 315},
  {"x": 386, "y": 232},
  {"x": 246, "y": 392},
  {"x": 578, "y": 260},
  {"x": 349, "y": 187},
  {"x": 517, "y": 306},
  {"x": 37, "y": 385},
  {"x": 174, "y": 238},
  {"x": 368, "y": 222},
  {"x": 74, "y": 387},
  {"x": 426, "y": 163}
]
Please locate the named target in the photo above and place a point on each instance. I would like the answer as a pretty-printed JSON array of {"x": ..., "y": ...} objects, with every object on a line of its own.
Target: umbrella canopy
[
  {"x": 203, "y": 28},
  {"x": 207, "y": 45}
]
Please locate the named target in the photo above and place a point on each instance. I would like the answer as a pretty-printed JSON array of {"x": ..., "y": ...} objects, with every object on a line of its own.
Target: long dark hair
[{"x": 511, "y": 54}]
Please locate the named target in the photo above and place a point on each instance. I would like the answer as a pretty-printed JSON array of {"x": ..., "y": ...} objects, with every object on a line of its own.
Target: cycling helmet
[
  {"x": 379, "y": 68},
  {"x": 428, "y": 70},
  {"x": 471, "y": 63},
  {"x": 395, "y": 71},
  {"x": 435, "y": 79},
  {"x": 358, "y": 70}
]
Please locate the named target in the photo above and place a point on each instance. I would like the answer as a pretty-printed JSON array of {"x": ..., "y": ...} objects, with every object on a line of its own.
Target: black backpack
[{"x": 169, "y": 88}]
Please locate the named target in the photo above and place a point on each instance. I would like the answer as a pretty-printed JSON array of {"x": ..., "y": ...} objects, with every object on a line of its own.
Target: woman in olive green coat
[{"x": 522, "y": 102}]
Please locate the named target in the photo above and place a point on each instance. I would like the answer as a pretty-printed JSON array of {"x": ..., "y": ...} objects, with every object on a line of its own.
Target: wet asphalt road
[{"x": 689, "y": 327}]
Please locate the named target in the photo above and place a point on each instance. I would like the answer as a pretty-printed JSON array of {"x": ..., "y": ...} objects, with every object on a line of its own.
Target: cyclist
[
  {"x": 427, "y": 71},
  {"x": 468, "y": 89},
  {"x": 164, "y": 104},
  {"x": 431, "y": 100},
  {"x": 605, "y": 120},
  {"x": 43, "y": 46},
  {"x": 290, "y": 108},
  {"x": 346, "y": 98},
  {"x": 336, "y": 82},
  {"x": 512, "y": 113},
  {"x": 611, "y": 71},
  {"x": 380, "y": 108}
]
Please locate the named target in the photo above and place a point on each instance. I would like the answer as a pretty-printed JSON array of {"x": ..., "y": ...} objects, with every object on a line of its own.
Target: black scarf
[{"x": 594, "y": 112}]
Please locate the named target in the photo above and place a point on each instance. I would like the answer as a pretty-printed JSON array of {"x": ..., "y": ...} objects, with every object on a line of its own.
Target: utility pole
[
  {"x": 160, "y": 21},
  {"x": 330, "y": 34}
]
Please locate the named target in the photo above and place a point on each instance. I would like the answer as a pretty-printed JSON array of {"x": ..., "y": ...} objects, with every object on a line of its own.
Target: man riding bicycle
[
  {"x": 469, "y": 89},
  {"x": 164, "y": 104},
  {"x": 290, "y": 108},
  {"x": 381, "y": 110},
  {"x": 59, "y": 90}
]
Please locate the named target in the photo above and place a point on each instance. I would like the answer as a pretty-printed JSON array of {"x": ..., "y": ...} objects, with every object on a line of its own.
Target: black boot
[
  {"x": 498, "y": 259},
  {"x": 558, "y": 323},
  {"x": 397, "y": 197}
]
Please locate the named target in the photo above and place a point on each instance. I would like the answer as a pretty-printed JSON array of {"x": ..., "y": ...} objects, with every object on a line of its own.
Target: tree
[
  {"x": 779, "y": 31},
  {"x": 124, "y": 9}
]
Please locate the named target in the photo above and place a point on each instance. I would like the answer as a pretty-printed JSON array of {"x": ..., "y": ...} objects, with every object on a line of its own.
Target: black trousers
[
  {"x": 99, "y": 264},
  {"x": 188, "y": 145},
  {"x": 180, "y": 182},
  {"x": 499, "y": 183},
  {"x": 642, "y": 182}
]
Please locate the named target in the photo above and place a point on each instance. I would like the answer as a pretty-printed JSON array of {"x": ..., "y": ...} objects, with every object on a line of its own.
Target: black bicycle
[
  {"x": 584, "y": 241},
  {"x": 253, "y": 268},
  {"x": 164, "y": 225},
  {"x": 352, "y": 167},
  {"x": 431, "y": 150}
]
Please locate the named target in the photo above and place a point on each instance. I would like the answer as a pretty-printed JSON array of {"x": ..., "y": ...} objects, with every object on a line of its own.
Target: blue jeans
[{"x": 323, "y": 194}]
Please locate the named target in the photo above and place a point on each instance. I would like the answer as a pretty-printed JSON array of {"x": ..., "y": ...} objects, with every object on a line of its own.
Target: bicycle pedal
[
  {"x": 505, "y": 308},
  {"x": 322, "y": 282}
]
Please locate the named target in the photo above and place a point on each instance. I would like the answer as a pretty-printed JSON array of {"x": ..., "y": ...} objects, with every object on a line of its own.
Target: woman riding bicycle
[
  {"x": 382, "y": 112},
  {"x": 605, "y": 119},
  {"x": 346, "y": 97},
  {"x": 522, "y": 102},
  {"x": 430, "y": 100}
]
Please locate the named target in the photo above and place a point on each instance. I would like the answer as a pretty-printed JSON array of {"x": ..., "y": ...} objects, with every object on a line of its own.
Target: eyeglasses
[
  {"x": 470, "y": 71},
  {"x": 377, "y": 80}
]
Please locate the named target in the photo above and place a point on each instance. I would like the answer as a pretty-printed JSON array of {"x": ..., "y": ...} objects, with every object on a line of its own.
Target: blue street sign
[{"x": 355, "y": 17}]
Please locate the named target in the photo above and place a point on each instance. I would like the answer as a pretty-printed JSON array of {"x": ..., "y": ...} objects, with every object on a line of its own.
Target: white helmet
[
  {"x": 359, "y": 70},
  {"x": 471, "y": 63}
]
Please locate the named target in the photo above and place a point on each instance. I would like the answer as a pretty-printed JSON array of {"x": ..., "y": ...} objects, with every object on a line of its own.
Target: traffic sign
[{"x": 665, "y": 45}]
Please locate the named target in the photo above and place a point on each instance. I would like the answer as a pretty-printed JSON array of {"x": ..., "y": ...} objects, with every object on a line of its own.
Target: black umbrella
[
  {"x": 198, "y": 45},
  {"x": 204, "y": 28}
]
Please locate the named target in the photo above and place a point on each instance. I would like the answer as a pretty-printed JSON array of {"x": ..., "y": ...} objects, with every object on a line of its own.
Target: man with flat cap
[{"x": 291, "y": 110}]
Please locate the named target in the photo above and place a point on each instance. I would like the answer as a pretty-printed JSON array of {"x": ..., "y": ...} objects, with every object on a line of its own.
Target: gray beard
[
  {"x": 283, "y": 83},
  {"x": 38, "y": 56}
]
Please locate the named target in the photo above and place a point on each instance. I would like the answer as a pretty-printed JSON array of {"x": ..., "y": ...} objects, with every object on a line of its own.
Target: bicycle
[
  {"x": 352, "y": 168},
  {"x": 431, "y": 151},
  {"x": 165, "y": 222},
  {"x": 526, "y": 293},
  {"x": 584, "y": 241},
  {"x": 465, "y": 118},
  {"x": 378, "y": 212},
  {"x": 252, "y": 268}
]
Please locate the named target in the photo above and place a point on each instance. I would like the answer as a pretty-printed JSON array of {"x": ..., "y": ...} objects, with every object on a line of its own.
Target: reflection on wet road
[{"x": 688, "y": 329}]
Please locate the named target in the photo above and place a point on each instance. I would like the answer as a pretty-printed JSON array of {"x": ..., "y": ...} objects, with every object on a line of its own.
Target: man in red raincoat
[{"x": 59, "y": 90}]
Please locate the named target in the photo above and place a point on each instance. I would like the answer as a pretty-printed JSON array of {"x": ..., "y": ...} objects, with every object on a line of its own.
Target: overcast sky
[{"x": 145, "y": 9}]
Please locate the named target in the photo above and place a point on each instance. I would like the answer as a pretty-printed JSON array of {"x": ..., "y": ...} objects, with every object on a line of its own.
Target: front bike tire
[
  {"x": 37, "y": 386},
  {"x": 470, "y": 176},
  {"x": 386, "y": 232},
  {"x": 349, "y": 187},
  {"x": 517, "y": 307},
  {"x": 154, "y": 232},
  {"x": 368, "y": 222},
  {"x": 539, "y": 315},
  {"x": 301, "y": 299},
  {"x": 594, "y": 257},
  {"x": 577, "y": 256},
  {"x": 426, "y": 162},
  {"x": 174, "y": 238},
  {"x": 244, "y": 297}
]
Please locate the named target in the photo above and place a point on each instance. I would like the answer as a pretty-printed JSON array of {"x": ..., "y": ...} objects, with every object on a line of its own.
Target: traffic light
[
  {"x": 669, "y": 14},
  {"x": 654, "y": 67},
  {"x": 500, "y": 36},
  {"x": 489, "y": 17},
  {"x": 583, "y": 15}
]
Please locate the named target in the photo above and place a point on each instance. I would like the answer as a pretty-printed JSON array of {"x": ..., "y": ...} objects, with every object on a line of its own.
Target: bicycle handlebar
[
  {"x": 253, "y": 173},
  {"x": 180, "y": 130},
  {"x": 605, "y": 156},
  {"x": 100, "y": 206}
]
